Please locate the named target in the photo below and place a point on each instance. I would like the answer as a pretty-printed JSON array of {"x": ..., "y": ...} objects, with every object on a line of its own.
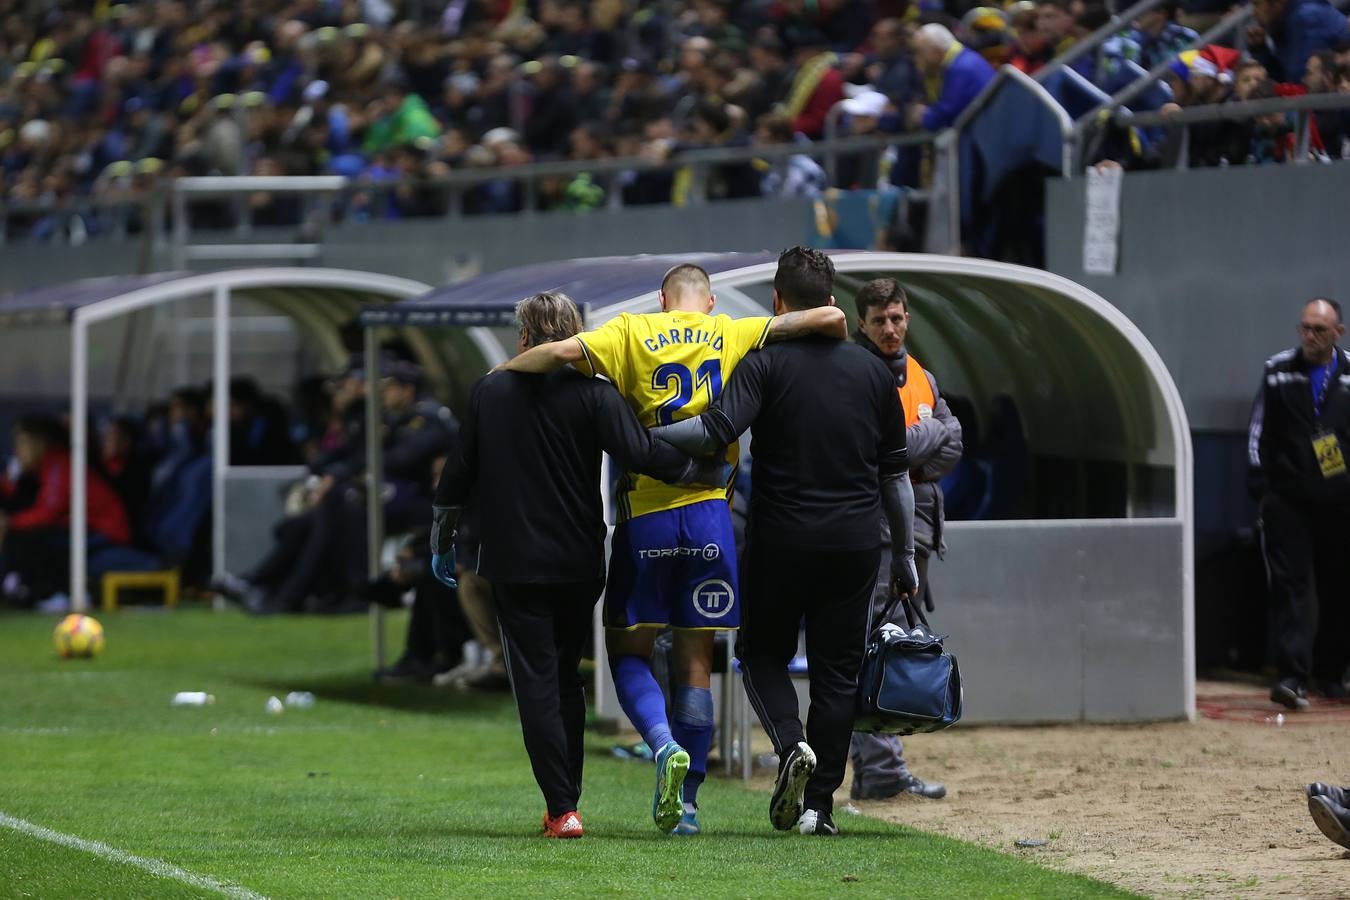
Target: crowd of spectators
[
  {"x": 148, "y": 486},
  {"x": 149, "y": 494},
  {"x": 106, "y": 100}
]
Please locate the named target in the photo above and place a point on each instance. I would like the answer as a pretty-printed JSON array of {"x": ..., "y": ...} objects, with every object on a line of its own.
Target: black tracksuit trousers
[
  {"x": 830, "y": 591},
  {"x": 1308, "y": 561},
  {"x": 544, "y": 630}
]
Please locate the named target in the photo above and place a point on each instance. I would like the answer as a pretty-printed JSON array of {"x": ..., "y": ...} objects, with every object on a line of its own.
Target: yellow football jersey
[{"x": 669, "y": 366}]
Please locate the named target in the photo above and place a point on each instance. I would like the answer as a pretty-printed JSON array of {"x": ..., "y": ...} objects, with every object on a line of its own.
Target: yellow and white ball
[{"x": 78, "y": 637}]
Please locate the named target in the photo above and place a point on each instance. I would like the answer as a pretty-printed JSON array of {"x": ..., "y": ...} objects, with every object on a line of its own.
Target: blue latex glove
[{"x": 443, "y": 567}]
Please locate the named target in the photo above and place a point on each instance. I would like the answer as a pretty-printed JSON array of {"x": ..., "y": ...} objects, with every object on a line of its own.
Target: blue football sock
[
  {"x": 641, "y": 699},
  {"x": 693, "y": 728}
]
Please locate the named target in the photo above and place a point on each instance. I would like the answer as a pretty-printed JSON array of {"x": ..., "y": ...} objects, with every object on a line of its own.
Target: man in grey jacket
[{"x": 934, "y": 437}]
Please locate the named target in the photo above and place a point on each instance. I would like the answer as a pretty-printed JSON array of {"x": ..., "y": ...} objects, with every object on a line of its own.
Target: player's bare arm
[
  {"x": 828, "y": 321},
  {"x": 542, "y": 359}
]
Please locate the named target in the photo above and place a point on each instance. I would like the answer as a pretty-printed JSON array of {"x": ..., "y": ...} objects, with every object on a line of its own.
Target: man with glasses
[{"x": 1299, "y": 435}]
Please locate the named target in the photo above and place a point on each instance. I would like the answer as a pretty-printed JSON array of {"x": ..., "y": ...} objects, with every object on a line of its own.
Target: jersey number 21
[{"x": 684, "y": 382}]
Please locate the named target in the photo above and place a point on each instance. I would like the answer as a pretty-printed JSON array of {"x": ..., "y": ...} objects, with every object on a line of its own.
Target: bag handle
[{"x": 913, "y": 615}]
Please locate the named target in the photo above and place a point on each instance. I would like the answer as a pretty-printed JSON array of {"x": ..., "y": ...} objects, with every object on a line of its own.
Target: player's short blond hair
[
  {"x": 550, "y": 316},
  {"x": 686, "y": 277}
]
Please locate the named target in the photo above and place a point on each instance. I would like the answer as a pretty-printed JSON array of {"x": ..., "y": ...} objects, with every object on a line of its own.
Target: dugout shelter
[
  {"x": 1067, "y": 586},
  {"x": 109, "y": 339}
]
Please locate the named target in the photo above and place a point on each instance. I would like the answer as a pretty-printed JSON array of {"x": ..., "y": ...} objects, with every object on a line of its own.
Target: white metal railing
[
  {"x": 1303, "y": 106},
  {"x": 947, "y": 170},
  {"x": 237, "y": 188},
  {"x": 170, "y": 201}
]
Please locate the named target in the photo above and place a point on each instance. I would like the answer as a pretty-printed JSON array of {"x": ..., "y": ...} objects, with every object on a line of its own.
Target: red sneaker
[{"x": 568, "y": 825}]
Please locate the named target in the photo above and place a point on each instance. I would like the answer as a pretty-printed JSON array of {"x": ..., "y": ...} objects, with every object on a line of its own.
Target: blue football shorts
[{"x": 675, "y": 567}]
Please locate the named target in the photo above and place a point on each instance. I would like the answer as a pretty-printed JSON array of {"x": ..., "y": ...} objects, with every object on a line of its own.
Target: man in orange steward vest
[{"x": 934, "y": 437}]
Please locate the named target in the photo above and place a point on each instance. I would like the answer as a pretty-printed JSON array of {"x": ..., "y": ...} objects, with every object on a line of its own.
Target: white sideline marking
[{"x": 154, "y": 866}]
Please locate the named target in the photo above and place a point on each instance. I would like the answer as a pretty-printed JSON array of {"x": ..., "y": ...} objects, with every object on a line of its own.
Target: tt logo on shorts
[
  {"x": 708, "y": 552},
  {"x": 714, "y": 599}
]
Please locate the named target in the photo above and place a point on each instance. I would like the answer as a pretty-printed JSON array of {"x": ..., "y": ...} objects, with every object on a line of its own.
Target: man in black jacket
[
  {"x": 529, "y": 462},
  {"x": 830, "y": 455},
  {"x": 1299, "y": 435}
]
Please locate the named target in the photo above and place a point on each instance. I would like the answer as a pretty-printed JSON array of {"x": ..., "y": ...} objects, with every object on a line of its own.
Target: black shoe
[
  {"x": 785, "y": 806},
  {"x": 813, "y": 821},
  {"x": 1338, "y": 795},
  {"x": 1332, "y": 818},
  {"x": 928, "y": 789},
  {"x": 906, "y": 785},
  {"x": 1289, "y": 693}
]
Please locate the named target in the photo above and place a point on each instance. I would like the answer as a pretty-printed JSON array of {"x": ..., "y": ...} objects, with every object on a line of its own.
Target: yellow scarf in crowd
[
  {"x": 932, "y": 84},
  {"x": 806, "y": 80}
]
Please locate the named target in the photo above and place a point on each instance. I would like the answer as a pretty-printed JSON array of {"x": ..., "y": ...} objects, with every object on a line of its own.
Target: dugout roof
[{"x": 603, "y": 286}]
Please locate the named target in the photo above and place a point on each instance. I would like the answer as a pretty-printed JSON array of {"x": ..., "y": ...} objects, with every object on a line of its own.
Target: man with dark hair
[
  {"x": 889, "y": 69},
  {"x": 1284, "y": 33},
  {"x": 673, "y": 560},
  {"x": 933, "y": 436},
  {"x": 35, "y": 510},
  {"x": 1329, "y": 131},
  {"x": 1159, "y": 36},
  {"x": 1300, "y": 429},
  {"x": 768, "y": 59},
  {"x": 259, "y": 432},
  {"x": 529, "y": 462},
  {"x": 828, "y": 432},
  {"x": 1055, "y": 21},
  {"x": 319, "y": 556},
  {"x": 792, "y": 176}
]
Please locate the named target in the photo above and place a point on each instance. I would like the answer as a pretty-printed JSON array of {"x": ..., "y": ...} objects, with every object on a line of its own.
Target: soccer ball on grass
[{"x": 78, "y": 636}]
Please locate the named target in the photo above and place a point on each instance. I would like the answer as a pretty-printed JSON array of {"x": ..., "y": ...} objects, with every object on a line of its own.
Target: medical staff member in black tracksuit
[
  {"x": 830, "y": 455},
  {"x": 1297, "y": 446},
  {"x": 530, "y": 466}
]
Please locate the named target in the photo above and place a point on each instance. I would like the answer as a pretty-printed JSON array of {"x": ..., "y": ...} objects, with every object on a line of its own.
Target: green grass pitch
[{"x": 376, "y": 791}]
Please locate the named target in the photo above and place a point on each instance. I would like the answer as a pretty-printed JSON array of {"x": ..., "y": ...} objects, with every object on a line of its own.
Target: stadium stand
[{"x": 102, "y": 105}]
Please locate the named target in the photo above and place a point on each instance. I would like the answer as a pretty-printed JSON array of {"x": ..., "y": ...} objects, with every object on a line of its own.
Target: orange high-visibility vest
[{"x": 917, "y": 394}]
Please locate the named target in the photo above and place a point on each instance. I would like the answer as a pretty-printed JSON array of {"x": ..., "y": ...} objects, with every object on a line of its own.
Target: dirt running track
[{"x": 1210, "y": 808}]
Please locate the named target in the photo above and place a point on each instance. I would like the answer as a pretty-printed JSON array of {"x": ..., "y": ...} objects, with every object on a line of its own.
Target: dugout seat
[
  {"x": 166, "y": 580},
  {"x": 126, "y": 568}
]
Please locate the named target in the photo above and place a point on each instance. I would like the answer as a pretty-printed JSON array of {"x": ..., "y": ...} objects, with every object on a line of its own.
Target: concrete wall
[
  {"x": 1065, "y": 621},
  {"x": 1043, "y": 637},
  {"x": 439, "y": 251},
  {"x": 1214, "y": 266},
  {"x": 255, "y": 500}
]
